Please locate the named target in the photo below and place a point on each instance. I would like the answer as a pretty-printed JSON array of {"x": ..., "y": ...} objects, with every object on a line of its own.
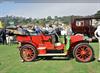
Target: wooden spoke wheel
[
  {"x": 83, "y": 52},
  {"x": 28, "y": 53}
]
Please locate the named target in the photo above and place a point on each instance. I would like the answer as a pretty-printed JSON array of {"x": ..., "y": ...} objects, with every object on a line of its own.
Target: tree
[
  {"x": 97, "y": 14},
  {"x": 36, "y": 21},
  {"x": 42, "y": 22},
  {"x": 49, "y": 19}
]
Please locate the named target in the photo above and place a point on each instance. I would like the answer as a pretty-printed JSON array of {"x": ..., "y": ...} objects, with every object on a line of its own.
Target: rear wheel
[
  {"x": 28, "y": 53},
  {"x": 83, "y": 52}
]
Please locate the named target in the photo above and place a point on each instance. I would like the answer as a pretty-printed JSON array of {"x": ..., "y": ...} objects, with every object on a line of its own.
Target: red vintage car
[{"x": 35, "y": 44}]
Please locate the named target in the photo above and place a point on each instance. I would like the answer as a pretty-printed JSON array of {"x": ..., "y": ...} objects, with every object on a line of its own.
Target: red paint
[
  {"x": 46, "y": 41},
  {"x": 42, "y": 51},
  {"x": 76, "y": 38}
]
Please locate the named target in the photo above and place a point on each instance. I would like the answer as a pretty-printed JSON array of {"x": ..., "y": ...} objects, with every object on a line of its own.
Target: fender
[
  {"x": 74, "y": 40},
  {"x": 28, "y": 42}
]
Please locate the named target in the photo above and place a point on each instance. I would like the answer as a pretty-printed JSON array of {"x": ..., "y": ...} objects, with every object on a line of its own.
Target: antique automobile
[
  {"x": 34, "y": 44},
  {"x": 85, "y": 25}
]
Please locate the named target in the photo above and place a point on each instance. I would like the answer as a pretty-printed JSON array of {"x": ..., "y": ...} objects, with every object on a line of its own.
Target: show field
[{"x": 10, "y": 62}]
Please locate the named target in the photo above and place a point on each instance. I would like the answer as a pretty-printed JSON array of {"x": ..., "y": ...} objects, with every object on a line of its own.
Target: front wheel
[
  {"x": 28, "y": 53},
  {"x": 83, "y": 52}
]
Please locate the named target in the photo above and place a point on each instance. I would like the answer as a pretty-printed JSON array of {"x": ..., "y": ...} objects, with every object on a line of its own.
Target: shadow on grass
[
  {"x": 53, "y": 58},
  {"x": 86, "y": 62},
  {"x": 60, "y": 59}
]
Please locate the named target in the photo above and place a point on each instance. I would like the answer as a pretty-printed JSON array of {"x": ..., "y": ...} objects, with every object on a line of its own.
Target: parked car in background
[{"x": 85, "y": 25}]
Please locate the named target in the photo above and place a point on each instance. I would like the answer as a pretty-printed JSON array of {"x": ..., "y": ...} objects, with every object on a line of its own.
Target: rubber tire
[
  {"x": 76, "y": 47},
  {"x": 29, "y": 46}
]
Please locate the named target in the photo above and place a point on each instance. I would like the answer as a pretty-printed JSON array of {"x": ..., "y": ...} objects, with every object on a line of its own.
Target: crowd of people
[
  {"x": 6, "y": 36},
  {"x": 60, "y": 29}
]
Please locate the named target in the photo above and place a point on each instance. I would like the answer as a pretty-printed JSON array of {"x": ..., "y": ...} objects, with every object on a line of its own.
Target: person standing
[
  {"x": 97, "y": 35},
  {"x": 0, "y": 36},
  {"x": 3, "y": 35}
]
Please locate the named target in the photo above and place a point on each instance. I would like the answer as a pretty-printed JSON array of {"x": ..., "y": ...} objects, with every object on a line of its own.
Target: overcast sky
[{"x": 41, "y": 10}]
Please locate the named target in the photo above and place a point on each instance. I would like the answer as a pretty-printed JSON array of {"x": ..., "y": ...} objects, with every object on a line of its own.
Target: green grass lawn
[{"x": 10, "y": 63}]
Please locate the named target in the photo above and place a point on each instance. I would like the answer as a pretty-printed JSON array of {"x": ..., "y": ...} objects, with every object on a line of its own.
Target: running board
[{"x": 54, "y": 54}]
